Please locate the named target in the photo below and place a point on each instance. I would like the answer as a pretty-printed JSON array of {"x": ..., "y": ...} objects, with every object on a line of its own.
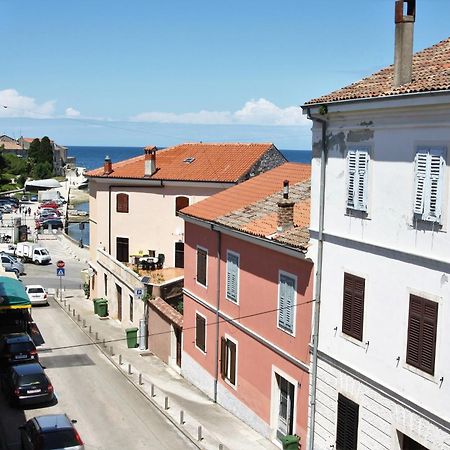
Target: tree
[
  {"x": 42, "y": 170},
  {"x": 46, "y": 150},
  {"x": 34, "y": 150}
]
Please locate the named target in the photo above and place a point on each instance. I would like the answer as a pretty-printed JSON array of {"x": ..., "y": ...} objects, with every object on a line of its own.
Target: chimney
[
  {"x": 285, "y": 217},
  {"x": 405, "y": 16},
  {"x": 107, "y": 166},
  {"x": 149, "y": 161}
]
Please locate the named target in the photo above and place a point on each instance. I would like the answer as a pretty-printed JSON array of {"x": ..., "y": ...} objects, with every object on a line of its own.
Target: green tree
[
  {"x": 42, "y": 170},
  {"x": 46, "y": 150},
  {"x": 34, "y": 150}
]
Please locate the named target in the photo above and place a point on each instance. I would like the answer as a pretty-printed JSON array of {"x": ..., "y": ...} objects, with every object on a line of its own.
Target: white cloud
[
  {"x": 254, "y": 112},
  {"x": 72, "y": 112},
  {"x": 15, "y": 105}
]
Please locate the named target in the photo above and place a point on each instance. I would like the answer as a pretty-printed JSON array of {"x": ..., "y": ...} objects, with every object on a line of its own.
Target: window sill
[
  {"x": 353, "y": 340},
  {"x": 235, "y": 302},
  {"x": 205, "y": 286},
  {"x": 356, "y": 214},
  {"x": 420, "y": 373},
  {"x": 290, "y": 333},
  {"x": 228, "y": 382},
  {"x": 203, "y": 352}
]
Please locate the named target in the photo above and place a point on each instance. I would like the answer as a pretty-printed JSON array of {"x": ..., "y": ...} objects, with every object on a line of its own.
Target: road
[{"x": 111, "y": 412}]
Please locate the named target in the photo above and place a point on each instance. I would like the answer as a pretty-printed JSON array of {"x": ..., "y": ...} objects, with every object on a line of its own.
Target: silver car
[{"x": 11, "y": 264}]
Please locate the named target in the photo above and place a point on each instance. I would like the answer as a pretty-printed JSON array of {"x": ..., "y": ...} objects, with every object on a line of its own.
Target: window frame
[
  {"x": 353, "y": 184},
  {"x": 122, "y": 203},
  {"x": 225, "y": 362},
  {"x": 203, "y": 350},
  {"x": 238, "y": 256},
  {"x": 294, "y": 307},
  {"x": 351, "y": 333},
  {"x": 202, "y": 249},
  {"x": 411, "y": 364},
  {"x": 122, "y": 243}
]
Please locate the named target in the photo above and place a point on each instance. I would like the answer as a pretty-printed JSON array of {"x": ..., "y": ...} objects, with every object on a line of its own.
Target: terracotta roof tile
[
  {"x": 167, "y": 311},
  {"x": 220, "y": 162},
  {"x": 431, "y": 72},
  {"x": 252, "y": 206}
]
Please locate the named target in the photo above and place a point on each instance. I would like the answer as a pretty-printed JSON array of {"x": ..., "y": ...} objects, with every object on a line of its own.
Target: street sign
[
  {"x": 60, "y": 272},
  {"x": 60, "y": 264},
  {"x": 138, "y": 293}
]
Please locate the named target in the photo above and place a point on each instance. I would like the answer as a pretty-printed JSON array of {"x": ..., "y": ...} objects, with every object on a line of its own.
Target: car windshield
[
  {"x": 59, "y": 439},
  {"x": 44, "y": 252},
  {"x": 36, "y": 290},
  {"x": 21, "y": 347},
  {"x": 32, "y": 379}
]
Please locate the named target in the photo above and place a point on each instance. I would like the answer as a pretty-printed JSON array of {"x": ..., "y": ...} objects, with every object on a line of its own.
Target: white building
[{"x": 383, "y": 358}]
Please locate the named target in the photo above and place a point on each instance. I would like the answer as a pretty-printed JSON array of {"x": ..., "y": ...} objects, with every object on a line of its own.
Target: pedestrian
[{"x": 29, "y": 210}]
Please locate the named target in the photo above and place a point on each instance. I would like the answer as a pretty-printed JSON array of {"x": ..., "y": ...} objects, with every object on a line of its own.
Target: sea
[{"x": 93, "y": 157}]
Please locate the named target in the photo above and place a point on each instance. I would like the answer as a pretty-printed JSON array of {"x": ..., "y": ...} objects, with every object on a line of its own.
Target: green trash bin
[
  {"x": 290, "y": 442},
  {"x": 96, "y": 302},
  {"x": 102, "y": 308},
  {"x": 132, "y": 337}
]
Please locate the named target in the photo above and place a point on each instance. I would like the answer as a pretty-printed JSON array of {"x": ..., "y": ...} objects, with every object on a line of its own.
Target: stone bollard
[
  {"x": 152, "y": 393},
  {"x": 166, "y": 403},
  {"x": 181, "y": 417},
  {"x": 120, "y": 360},
  {"x": 140, "y": 379},
  {"x": 199, "y": 433},
  {"x": 129, "y": 370},
  {"x": 111, "y": 351}
]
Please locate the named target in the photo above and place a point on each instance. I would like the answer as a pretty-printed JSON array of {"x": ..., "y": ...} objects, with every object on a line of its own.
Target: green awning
[{"x": 12, "y": 294}]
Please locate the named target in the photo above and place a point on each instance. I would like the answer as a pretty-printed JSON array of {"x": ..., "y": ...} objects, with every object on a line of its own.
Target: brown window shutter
[
  {"x": 422, "y": 331},
  {"x": 200, "y": 331},
  {"x": 122, "y": 203},
  {"x": 232, "y": 347},
  {"x": 353, "y": 306},
  {"x": 181, "y": 202},
  {"x": 201, "y": 266},
  {"x": 347, "y": 424},
  {"x": 223, "y": 356}
]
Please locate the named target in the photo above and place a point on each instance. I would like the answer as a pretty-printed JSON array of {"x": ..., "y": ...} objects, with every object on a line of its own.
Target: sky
[{"x": 162, "y": 72}]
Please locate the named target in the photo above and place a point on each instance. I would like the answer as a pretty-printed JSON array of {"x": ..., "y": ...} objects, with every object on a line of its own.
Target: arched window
[
  {"x": 122, "y": 203},
  {"x": 180, "y": 203}
]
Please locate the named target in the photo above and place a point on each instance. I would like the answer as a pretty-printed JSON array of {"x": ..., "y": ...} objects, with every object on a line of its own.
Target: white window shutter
[
  {"x": 282, "y": 303},
  {"x": 436, "y": 175},
  {"x": 351, "y": 178},
  {"x": 363, "y": 163},
  {"x": 232, "y": 276},
  {"x": 420, "y": 182},
  {"x": 287, "y": 302}
]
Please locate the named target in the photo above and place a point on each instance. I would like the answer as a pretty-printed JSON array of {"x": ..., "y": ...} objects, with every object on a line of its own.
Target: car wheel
[{"x": 36, "y": 261}]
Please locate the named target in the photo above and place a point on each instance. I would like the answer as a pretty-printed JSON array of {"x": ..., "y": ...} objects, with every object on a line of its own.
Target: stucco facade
[
  {"x": 266, "y": 355},
  {"x": 398, "y": 255}
]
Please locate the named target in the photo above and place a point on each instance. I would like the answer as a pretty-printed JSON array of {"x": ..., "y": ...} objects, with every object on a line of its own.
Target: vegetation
[{"x": 40, "y": 155}]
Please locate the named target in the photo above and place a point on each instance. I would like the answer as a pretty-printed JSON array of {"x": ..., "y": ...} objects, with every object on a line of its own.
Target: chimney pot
[
  {"x": 149, "y": 160},
  {"x": 107, "y": 166},
  {"x": 285, "y": 218}
]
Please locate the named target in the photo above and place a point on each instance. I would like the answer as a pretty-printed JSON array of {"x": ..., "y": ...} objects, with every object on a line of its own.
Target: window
[
  {"x": 122, "y": 249},
  {"x": 200, "y": 332},
  {"x": 228, "y": 360},
  {"x": 353, "y": 306},
  {"x": 180, "y": 203},
  {"x": 179, "y": 254},
  {"x": 131, "y": 309},
  {"x": 232, "y": 276},
  {"x": 105, "y": 278},
  {"x": 428, "y": 189},
  {"x": 287, "y": 291},
  {"x": 357, "y": 179},
  {"x": 347, "y": 424},
  {"x": 411, "y": 444},
  {"x": 202, "y": 256},
  {"x": 422, "y": 328},
  {"x": 122, "y": 203}
]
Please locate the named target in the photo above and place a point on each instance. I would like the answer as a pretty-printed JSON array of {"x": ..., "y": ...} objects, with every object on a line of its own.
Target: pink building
[{"x": 247, "y": 300}]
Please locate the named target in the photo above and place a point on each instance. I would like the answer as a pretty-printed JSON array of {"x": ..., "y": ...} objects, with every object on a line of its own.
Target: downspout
[
  {"x": 318, "y": 281},
  {"x": 109, "y": 220},
  {"x": 216, "y": 369}
]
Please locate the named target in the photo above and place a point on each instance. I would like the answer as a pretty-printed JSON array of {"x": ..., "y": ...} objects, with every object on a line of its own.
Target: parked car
[
  {"x": 32, "y": 252},
  {"x": 11, "y": 250},
  {"x": 16, "y": 348},
  {"x": 11, "y": 264},
  {"x": 53, "y": 223},
  {"x": 34, "y": 198},
  {"x": 27, "y": 384},
  {"x": 47, "y": 216},
  {"x": 51, "y": 431},
  {"x": 52, "y": 205},
  {"x": 37, "y": 294}
]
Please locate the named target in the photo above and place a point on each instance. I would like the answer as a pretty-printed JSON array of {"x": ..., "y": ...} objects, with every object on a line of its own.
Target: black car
[
  {"x": 52, "y": 223},
  {"x": 51, "y": 431},
  {"x": 27, "y": 384},
  {"x": 17, "y": 348}
]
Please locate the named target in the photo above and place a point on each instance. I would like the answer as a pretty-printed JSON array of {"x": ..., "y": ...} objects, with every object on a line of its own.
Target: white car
[{"x": 37, "y": 294}]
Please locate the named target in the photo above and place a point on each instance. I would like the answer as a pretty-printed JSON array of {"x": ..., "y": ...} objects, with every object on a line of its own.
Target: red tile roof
[
  {"x": 430, "y": 73},
  {"x": 167, "y": 311},
  {"x": 251, "y": 206},
  {"x": 220, "y": 162}
]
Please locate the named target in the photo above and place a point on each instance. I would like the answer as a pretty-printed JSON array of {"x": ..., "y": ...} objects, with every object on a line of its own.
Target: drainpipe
[
  {"x": 216, "y": 369},
  {"x": 315, "y": 334}
]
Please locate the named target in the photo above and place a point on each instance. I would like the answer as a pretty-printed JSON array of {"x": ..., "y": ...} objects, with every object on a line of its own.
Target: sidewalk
[{"x": 157, "y": 381}]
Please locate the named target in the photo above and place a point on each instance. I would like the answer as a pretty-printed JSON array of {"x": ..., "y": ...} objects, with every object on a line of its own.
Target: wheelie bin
[
  {"x": 102, "y": 308},
  {"x": 132, "y": 337},
  {"x": 290, "y": 442},
  {"x": 96, "y": 301}
]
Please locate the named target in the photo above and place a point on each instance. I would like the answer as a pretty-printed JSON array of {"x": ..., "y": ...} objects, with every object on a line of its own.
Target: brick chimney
[
  {"x": 405, "y": 16},
  {"x": 285, "y": 217},
  {"x": 149, "y": 161},
  {"x": 107, "y": 166}
]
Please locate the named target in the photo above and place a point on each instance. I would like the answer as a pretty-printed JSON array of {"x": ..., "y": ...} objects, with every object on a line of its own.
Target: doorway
[
  {"x": 119, "y": 302},
  {"x": 179, "y": 254},
  {"x": 286, "y": 401},
  {"x": 178, "y": 336}
]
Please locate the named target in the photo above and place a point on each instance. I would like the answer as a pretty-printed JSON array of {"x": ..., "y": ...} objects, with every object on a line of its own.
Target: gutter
[{"x": 318, "y": 281}]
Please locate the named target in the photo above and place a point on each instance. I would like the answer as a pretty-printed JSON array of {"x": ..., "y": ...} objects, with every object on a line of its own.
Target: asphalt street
[{"x": 111, "y": 412}]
